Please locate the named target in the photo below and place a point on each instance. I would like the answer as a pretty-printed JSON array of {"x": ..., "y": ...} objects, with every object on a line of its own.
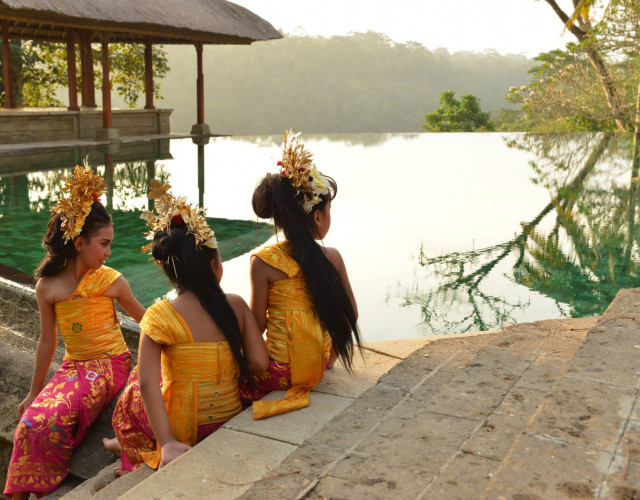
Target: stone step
[
  {"x": 227, "y": 463},
  {"x": 438, "y": 424},
  {"x": 583, "y": 441}
]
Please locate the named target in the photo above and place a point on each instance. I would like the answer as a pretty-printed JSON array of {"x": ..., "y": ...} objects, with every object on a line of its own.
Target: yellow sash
[
  {"x": 87, "y": 320},
  {"x": 199, "y": 379},
  {"x": 295, "y": 334}
]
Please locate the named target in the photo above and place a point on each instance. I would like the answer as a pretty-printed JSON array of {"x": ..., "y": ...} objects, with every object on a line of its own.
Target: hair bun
[{"x": 262, "y": 200}]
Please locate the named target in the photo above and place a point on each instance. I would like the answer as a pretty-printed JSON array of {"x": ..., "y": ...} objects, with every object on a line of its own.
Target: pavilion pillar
[
  {"x": 148, "y": 73},
  {"x": 72, "y": 71},
  {"x": 200, "y": 128},
  {"x": 7, "y": 68},
  {"x": 86, "y": 59},
  {"x": 107, "y": 132}
]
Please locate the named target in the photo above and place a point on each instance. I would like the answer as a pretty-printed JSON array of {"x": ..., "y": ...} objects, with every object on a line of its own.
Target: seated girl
[
  {"x": 76, "y": 296},
  {"x": 198, "y": 344},
  {"x": 300, "y": 290}
]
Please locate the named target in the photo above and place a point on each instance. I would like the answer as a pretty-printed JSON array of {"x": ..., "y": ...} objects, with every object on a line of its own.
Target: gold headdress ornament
[
  {"x": 84, "y": 188},
  {"x": 175, "y": 209},
  {"x": 297, "y": 165}
]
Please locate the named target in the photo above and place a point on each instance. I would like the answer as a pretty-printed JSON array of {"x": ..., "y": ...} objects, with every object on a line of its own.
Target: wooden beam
[
  {"x": 106, "y": 84},
  {"x": 73, "y": 72},
  {"x": 148, "y": 73},
  {"x": 7, "y": 68},
  {"x": 199, "y": 85}
]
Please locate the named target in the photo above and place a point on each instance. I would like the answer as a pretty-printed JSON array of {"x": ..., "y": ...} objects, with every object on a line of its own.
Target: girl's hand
[
  {"x": 26, "y": 403},
  {"x": 171, "y": 451}
]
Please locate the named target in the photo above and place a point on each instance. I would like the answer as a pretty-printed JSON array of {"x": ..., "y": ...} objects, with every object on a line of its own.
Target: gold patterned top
[
  {"x": 87, "y": 320},
  {"x": 295, "y": 333},
  {"x": 199, "y": 379}
]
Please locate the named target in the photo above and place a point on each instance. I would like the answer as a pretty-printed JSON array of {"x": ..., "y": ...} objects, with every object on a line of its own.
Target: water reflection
[
  {"x": 26, "y": 197},
  {"x": 579, "y": 249}
]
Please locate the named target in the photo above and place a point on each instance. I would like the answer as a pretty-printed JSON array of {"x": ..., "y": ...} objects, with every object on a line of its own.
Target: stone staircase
[
  {"x": 536, "y": 411},
  {"x": 540, "y": 410}
]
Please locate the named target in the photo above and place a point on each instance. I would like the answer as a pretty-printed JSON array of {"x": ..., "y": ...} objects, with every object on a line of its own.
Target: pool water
[{"x": 440, "y": 233}]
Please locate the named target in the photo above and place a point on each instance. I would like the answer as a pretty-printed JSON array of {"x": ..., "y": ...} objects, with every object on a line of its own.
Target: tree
[
  {"x": 464, "y": 115},
  {"x": 40, "y": 68}
]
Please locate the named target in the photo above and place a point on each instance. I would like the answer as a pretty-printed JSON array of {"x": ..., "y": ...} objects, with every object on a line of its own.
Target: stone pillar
[
  {"x": 71, "y": 64},
  {"x": 7, "y": 68},
  {"x": 200, "y": 128}
]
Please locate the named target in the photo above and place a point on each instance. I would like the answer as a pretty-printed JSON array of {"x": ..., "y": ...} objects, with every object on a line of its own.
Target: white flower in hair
[{"x": 319, "y": 182}]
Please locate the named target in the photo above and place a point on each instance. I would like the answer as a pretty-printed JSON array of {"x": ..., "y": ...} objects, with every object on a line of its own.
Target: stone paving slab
[
  {"x": 475, "y": 391},
  {"x": 296, "y": 426},
  {"x": 542, "y": 468},
  {"x": 463, "y": 479},
  {"x": 585, "y": 413},
  {"x": 222, "y": 466}
]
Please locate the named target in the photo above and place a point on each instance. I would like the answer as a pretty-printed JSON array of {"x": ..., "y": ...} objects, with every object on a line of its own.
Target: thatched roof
[{"x": 166, "y": 21}]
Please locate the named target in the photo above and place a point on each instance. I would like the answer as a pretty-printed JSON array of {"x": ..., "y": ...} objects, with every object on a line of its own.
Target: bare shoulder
[
  {"x": 45, "y": 289},
  {"x": 334, "y": 257},
  {"x": 236, "y": 302}
]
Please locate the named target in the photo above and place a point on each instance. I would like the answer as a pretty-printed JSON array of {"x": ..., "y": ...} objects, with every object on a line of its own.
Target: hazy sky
[{"x": 508, "y": 26}]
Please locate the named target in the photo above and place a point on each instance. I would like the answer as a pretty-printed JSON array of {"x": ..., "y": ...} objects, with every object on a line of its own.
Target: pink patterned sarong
[
  {"x": 57, "y": 420},
  {"x": 276, "y": 378},
  {"x": 96, "y": 365},
  {"x": 132, "y": 428}
]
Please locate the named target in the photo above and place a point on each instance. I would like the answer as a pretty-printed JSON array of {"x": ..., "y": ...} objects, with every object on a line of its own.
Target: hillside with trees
[{"x": 364, "y": 82}]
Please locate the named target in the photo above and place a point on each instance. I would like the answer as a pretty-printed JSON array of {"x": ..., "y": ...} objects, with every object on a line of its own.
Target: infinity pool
[{"x": 441, "y": 233}]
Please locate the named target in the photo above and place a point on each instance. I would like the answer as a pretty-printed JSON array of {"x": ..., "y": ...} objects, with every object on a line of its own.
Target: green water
[
  {"x": 440, "y": 233},
  {"x": 26, "y": 199}
]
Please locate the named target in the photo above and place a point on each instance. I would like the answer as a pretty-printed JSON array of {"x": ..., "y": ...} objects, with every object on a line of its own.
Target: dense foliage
[
  {"x": 591, "y": 84},
  {"x": 455, "y": 115},
  {"x": 40, "y": 71},
  {"x": 359, "y": 83}
]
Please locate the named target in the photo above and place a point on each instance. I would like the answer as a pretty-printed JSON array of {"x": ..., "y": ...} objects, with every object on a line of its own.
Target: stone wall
[{"x": 27, "y": 125}]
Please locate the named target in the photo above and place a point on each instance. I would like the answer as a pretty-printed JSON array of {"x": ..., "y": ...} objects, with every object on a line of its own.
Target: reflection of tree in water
[
  {"x": 131, "y": 182},
  {"x": 39, "y": 191},
  {"x": 579, "y": 250}
]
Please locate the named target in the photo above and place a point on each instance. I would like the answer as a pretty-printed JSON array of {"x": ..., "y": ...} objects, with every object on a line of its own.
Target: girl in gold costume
[
  {"x": 300, "y": 291},
  {"x": 199, "y": 344},
  {"x": 75, "y": 294}
]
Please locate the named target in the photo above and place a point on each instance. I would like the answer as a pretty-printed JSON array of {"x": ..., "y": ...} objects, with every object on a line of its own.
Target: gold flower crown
[
  {"x": 175, "y": 209},
  {"x": 297, "y": 165},
  {"x": 84, "y": 188}
]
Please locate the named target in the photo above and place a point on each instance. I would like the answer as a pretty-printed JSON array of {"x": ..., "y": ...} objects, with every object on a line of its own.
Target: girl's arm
[
  {"x": 46, "y": 346},
  {"x": 336, "y": 259},
  {"x": 259, "y": 291},
  {"x": 149, "y": 376},
  {"x": 121, "y": 290},
  {"x": 255, "y": 348}
]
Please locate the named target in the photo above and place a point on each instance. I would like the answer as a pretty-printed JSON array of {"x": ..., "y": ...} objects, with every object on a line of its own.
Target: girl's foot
[
  {"x": 120, "y": 472},
  {"x": 112, "y": 445}
]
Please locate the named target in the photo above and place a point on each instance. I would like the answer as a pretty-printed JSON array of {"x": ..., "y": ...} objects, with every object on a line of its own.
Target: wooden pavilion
[{"x": 78, "y": 24}]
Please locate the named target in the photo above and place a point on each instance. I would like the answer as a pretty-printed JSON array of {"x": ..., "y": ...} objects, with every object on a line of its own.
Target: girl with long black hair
[
  {"x": 200, "y": 342},
  {"x": 300, "y": 290}
]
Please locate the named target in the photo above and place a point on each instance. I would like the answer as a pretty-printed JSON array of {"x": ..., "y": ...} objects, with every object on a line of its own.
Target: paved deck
[{"x": 535, "y": 411}]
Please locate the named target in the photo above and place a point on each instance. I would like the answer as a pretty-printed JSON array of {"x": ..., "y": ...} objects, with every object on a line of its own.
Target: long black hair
[
  {"x": 188, "y": 267},
  {"x": 59, "y": 250},
  {"x": 275, "y": 198}
]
